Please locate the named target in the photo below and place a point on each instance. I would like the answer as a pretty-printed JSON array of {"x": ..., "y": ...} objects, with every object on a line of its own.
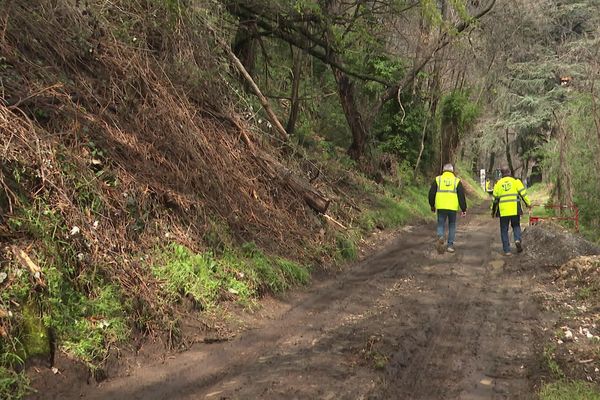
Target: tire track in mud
[{"x": 406, "y": 323}]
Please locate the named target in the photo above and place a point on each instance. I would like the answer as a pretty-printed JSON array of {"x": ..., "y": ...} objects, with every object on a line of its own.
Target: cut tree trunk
[{"x": 255, "y": 89}]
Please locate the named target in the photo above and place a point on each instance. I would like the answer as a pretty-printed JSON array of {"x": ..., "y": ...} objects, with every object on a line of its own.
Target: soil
[{"x": 404, "y": 323}]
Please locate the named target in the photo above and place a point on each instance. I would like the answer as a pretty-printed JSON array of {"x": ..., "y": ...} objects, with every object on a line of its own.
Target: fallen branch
[
  {"x": 34, "y": 269},
  {"x": 311, "y": 196},
  {"x": 327, "y": 217},
  {"x": 263, "y": 100}
]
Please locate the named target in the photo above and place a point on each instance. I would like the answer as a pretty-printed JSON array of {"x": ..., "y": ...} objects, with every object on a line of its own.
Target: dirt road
[{"x": 406, "y": 323}]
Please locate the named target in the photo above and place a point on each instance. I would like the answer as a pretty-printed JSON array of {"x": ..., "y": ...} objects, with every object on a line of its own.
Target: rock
[{"x": 568, "y": 336}]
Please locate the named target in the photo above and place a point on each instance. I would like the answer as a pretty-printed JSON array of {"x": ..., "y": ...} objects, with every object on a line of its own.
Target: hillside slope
[{"x": 129, "y": 197}]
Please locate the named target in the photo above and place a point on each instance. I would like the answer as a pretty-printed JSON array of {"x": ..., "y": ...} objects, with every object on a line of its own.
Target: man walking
[
  {"x": 508, "y": 193},
  {"x": 446, "y": 196}
]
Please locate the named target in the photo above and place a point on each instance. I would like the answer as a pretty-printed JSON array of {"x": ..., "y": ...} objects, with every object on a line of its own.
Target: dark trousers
[
  {"x": 515, "y": 222},
  {"x": 441, "y": 225}
]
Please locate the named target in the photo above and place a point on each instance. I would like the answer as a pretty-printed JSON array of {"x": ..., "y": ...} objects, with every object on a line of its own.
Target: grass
[
  {"x": 13, "y": 385},
  {"x": 569, "y": 390},
  {"x": 206, "y": 278},
  {"x": 539, "y": 193},
  {"x": 396, "y": 207},
  {"x": 81, "y": 307},
  {"x": 551, "y": 363}
]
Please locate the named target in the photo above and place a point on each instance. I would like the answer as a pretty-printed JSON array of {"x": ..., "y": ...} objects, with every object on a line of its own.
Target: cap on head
[{"x": 448, "y": 167}]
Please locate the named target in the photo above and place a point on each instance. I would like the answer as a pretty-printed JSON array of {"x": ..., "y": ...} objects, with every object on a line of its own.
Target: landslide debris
[
  {"x": 571, "y": 297},
  {"x": 550, "y": 245}
]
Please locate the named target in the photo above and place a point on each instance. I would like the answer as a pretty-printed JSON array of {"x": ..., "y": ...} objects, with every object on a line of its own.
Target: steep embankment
[{"x": 130, "y": 198}]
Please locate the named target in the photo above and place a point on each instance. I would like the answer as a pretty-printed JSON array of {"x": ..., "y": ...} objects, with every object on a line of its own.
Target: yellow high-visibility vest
[
  {"x": 446, "y": 197},
  {"x": 509, "y": 191}
]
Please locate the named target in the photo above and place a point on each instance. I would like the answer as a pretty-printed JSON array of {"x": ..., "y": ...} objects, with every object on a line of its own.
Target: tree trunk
[
  {"x": 449, "y": 141},
  {"x": 295, "y": 102},
  {"x": 492, "y": 162},
  {"x": 244, "y": 46},
  {"x": 276, "y": 170},
  {"x": 423, "y": 134},
  {"x": 564, "y": 190},
  {"x": 255, "y": 89},
  {"x": 353, "y": 117},
  {"x": 509, "y": 156}
]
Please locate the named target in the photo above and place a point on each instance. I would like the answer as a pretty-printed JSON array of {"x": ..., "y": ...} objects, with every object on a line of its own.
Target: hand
[
  {"x": 432, "y": 209},
  {"x": 463, "y": 214}
]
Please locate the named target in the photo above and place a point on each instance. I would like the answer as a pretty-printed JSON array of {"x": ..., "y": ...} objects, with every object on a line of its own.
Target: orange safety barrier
[{"x": 533, "y": 219}]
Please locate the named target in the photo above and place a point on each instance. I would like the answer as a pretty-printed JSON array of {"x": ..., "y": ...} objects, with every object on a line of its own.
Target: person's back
[
  {"x": 446, "y": 197},
  {"x": 508, "y": 193}
]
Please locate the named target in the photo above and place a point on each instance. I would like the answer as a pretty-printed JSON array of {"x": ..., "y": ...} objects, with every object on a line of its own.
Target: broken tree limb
[
  {"x": 327, "y": 217},
  {"x": 276, "y": 169},
  {"x": 34, "y": 269},
  {"x": 263, "y": 100}
]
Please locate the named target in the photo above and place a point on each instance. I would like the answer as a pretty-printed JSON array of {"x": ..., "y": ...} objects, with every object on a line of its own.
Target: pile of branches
[{"x": 130, "y": 97}]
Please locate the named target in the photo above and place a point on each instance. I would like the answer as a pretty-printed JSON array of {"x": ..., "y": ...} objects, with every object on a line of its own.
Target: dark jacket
[{"x": 460, "y": 191}]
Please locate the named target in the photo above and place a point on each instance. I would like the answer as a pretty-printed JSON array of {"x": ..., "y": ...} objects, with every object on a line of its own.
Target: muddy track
[{"x": 406, "y": 323}]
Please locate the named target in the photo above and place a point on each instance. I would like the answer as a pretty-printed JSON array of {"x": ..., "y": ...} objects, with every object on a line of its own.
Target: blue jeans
[
  {"x": 515, "y": 222},
  {"x": 441, "y": 225}
]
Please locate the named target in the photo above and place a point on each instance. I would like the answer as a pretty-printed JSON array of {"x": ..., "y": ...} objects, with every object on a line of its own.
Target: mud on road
[{"x": 405, "y": 323}]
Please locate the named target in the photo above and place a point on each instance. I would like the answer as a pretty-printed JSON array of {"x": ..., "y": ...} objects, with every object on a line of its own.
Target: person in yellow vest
[
  {"x": 488, "y": 185},
  {"x": 446, "y": 197},
  {"x": 508, "y": 193}
]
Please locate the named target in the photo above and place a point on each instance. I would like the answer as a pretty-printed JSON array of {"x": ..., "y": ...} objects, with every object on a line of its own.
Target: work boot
[
  {"x": 440, "y": 245},
  {"x": 450, "y": 249},
  {"x": 519, "y": 246}
]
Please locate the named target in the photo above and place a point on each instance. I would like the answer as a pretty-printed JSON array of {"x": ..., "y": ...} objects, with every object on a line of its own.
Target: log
[
  {"x": 276, "y": 169},
  {"x": 310, "y": 195}
]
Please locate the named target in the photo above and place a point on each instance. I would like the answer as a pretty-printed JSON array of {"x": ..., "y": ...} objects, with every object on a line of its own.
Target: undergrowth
[
  {"x": 242, "y": 275},
  {"x": 13, "y": 385},
  {"x": 396, "y": 207},
  {"x": 569, "y": 390},
  {"x": 77, "y": 305}
]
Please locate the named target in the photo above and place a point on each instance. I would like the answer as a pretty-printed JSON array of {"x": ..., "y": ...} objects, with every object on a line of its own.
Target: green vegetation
[
  {"x": 569, "y": 390},
  {"x": 13, "y": 385},
  {"x": 550, "y": 361},
  {"x": 243, "y": 274},
  {"x": 84, "y": 310},
  {"x": 397, "y": 207}
]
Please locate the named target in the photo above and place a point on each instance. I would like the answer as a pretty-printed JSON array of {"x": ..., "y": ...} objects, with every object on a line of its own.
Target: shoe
[
  {"x": 519, "y": 246},
  {"x": 450, "y": 249},
  {"x": 508, "y": 254},
  {"x": 439, "y": 244}
]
